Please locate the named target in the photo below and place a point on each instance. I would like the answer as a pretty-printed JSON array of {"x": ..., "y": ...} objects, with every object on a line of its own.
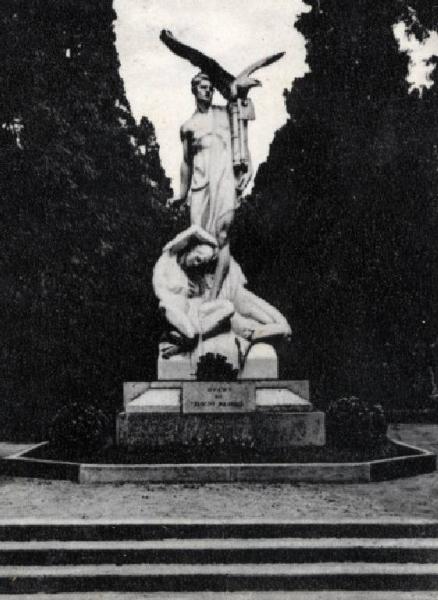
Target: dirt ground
[{"x": 414, "y": 497}]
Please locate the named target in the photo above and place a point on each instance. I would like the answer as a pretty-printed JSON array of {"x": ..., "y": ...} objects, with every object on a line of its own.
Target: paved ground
[{"x": 415, "y": 497}]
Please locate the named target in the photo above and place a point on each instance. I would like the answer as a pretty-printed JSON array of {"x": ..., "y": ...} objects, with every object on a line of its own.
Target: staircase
[{"x": 172, "y": 557}]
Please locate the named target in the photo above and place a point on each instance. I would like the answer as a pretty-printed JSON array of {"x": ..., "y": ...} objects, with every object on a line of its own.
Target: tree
[
  {"x": 343, "y": 207},
  {"x": 84, "y": 211}
]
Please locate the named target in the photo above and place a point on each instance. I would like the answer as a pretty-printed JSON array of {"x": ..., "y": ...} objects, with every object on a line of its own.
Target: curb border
[{"x": 21, "y": 465}]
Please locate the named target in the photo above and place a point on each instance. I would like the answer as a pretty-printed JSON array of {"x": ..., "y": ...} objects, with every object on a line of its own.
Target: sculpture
[
  {"x": 183, "y": 276},
  {"x": 233, "y": 89},
  {"x": 218, "y": 388},
  {"x": 216, "y": 164}
]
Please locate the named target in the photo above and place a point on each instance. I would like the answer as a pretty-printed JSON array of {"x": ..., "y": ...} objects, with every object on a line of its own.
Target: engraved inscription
[{"x": 206, "y": 396}]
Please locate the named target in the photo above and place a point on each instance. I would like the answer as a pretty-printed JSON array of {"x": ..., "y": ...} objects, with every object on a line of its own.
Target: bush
[
  {"x": 214, "y": 367},
  {"x": 353, "y": 423},
  {"x": 79, "y": 428}
]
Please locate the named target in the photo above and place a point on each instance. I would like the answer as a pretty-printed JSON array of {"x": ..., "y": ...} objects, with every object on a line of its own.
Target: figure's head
[
  {"x": 202, "y": 88},
  {"x": 201, "y": 254},
  {"x": 192, "y": 247}
]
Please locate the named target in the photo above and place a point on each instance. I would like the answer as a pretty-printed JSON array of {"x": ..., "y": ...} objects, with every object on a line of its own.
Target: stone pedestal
[
  {"x": 178, "y": 410},
  {"x": 142, "y": 430},
  {"x": 274, "y": 414},
  {"x": 261, "y": 363},
  {"x": 167, "y": 396}
]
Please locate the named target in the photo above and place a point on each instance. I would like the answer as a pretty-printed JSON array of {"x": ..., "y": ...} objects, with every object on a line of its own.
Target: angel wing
[
  {"x": 220, "y": 78},
  {"x": 263, "y": 62}
]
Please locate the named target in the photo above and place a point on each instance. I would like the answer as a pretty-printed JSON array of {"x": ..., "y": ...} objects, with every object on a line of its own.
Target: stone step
[
  {"x": 227, "y": 551},
  {"x": 36, "y": 529},
  {"x": 220, "y": 577},
  {"x": 301, "y": 595}
]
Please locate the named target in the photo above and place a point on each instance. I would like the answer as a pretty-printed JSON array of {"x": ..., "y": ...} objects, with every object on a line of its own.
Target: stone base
[
  {"x": 411, "y": 462},
  {"x": 261, "y": 362},
  {"x": 272, "y": 414},
  {"x": 140, "y": 430},
  {"x": 175, "y": 396}
]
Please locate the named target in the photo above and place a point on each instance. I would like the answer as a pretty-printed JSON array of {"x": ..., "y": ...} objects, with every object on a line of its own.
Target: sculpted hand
[
  {"x": 243, "y": 180},
  {"x": 193, "y": 289}
]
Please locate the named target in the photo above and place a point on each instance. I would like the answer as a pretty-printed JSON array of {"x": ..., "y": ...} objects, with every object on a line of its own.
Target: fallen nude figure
[{"x": 182, "y": 279}]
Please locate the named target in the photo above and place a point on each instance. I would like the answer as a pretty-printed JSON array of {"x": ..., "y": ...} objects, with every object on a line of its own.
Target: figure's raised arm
[{"x": 185, "y": 170}]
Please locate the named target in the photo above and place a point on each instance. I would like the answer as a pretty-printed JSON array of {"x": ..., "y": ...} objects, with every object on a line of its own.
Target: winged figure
[
  {"x": 229, "y": 86},
  {"x": 216, "y": 164}
]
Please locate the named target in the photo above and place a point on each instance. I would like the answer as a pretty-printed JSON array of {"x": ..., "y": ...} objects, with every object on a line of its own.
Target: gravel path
[{"x": 415, "y": 497}]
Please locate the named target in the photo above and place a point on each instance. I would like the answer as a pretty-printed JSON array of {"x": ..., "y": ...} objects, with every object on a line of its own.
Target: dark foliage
[
  {"x": 83, "y": 213},
  {"x": 215, "y": 367},
  {"x": 79, "y": 428},
  {"x": 343, "y": 214},
  {"x": 353, "y": 423},
  {"x": 344, "y": 211}
]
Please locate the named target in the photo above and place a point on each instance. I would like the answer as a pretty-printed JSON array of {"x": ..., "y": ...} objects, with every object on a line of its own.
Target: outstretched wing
[
  {"x": 264, "y": 62},
  {"x": 220, "y": 78}
]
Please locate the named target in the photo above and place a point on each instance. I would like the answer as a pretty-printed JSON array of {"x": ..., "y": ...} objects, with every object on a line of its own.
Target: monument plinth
[
  {"x": 272, "y": 413},
  {"x": 261, "y": 363}
]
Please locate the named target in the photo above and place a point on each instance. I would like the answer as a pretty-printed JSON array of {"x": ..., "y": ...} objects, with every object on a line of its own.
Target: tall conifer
[
  {"x": 342, "y": 210},
  {"x": 83, "y": 197}
]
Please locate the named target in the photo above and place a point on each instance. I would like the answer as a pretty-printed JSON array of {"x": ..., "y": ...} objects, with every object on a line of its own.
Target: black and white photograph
[{"x": 219, "y": 299}]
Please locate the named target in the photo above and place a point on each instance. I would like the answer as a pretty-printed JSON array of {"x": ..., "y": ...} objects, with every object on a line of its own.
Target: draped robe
[{"x": 213, "y": 192}]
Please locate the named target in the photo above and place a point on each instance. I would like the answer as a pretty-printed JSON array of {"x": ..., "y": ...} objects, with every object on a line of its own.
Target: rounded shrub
[
  {"x": 79, "y": 428},
  {"x": 353, "y": 423}
]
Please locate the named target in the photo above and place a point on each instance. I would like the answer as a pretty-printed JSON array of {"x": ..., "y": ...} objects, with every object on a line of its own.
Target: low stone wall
[
  {"x": 23, "y": 465},
  {"x": 266, "y": 430}
]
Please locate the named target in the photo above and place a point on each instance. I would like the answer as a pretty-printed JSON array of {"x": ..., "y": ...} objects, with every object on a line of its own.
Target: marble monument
[{"x": 202, "y": 293}]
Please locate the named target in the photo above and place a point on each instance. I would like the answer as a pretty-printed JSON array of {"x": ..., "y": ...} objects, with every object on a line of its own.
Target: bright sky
[
  {"x": 419, "y": 74},
  {"x": 235, "y": 33}
]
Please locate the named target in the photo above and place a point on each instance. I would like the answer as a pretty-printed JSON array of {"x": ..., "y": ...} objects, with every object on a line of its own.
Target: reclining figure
[{"x": 182, "y": 280}]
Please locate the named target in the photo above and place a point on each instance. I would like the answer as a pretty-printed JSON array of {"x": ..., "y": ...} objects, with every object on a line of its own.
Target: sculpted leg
[
  {"x": 179, "y": 319},
  {"x": 184, "y": 337},
  {"x": 269, "y": 321},
  {"x": 244, "y": 326},
  {"x": 213, "y": 315},
  {"x": 207, "y": 320}
]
